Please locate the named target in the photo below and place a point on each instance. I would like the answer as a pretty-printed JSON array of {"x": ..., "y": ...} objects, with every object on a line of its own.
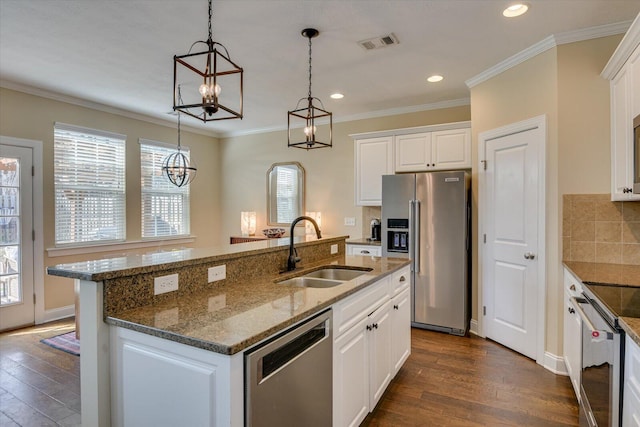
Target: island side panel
[{"x": 94, "y": 360}]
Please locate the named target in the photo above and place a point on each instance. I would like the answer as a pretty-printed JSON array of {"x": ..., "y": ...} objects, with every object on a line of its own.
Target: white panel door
[
  {"x": 16, "y": 243},
  {"x": 511, "y": 279}
]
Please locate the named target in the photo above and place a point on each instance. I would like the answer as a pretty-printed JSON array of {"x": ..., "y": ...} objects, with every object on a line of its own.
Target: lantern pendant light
[
  {"x": 176, "y": 166},
  {"x": 209, "y": 78},
  {"x": 306, "y": 125}
]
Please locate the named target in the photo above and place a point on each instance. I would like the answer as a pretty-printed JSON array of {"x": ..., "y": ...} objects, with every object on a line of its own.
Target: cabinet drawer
[
  {"x": 400, "y": 280},
  {"x": 364, "y": 250},
  {"x": 351, "y": 310}
]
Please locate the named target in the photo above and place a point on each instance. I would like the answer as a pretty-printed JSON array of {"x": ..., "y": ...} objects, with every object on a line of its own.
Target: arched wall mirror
[{"x": 285, "y": 193}]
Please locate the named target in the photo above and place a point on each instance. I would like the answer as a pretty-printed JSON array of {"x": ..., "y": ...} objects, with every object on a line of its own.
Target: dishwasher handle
[
  {"x": 597, "y": 335},
  {"x": 277, "y": 354}
]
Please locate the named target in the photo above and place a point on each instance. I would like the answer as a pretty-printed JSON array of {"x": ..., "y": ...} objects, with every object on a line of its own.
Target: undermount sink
[
  {"x": 326, "y": 277},
  {"x": 341, "y": 274},
  {"x": 310, "y": 282}
]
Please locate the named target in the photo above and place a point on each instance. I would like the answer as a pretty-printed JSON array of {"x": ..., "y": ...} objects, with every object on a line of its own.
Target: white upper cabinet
[
  {"x": 373, "y": 158},
  {"x": 438, "y": 150},
  {"x": 623, "y": 69},
  {"x": 421, "y": 149}
]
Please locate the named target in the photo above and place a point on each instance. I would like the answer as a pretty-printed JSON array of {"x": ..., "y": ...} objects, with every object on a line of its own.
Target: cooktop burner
[{"x": 620, "y": 300}]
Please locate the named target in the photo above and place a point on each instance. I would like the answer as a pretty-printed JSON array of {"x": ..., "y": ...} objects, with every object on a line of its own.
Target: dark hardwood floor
[
  {"x": 447, "y": 381},
  {"x": 39, "y": 385},
  {"x": 470, "y": 381}
]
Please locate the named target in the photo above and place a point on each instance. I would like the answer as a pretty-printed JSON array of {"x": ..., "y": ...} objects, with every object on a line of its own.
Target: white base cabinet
[
  {"x": 157, "y": 382},
  {"x": 372, "y": 341},
  {"x": 631, "y": 403},
  {"x": 572, "y": 341}
]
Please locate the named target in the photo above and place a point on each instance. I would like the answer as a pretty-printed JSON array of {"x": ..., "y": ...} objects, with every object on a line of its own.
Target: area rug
[{"x": 65, "y": 342}]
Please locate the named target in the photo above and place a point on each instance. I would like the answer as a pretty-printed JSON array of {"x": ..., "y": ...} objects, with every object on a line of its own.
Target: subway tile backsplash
[{"x": 595, "y": 229}]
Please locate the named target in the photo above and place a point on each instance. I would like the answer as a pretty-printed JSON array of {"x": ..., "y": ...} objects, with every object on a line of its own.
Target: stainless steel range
[{"x": 603, "y": 351}]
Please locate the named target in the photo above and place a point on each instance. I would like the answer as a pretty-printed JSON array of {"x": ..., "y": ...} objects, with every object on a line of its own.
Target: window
[
  {"x": 165, "y": 207},
  {"x": 89, "y": 182},
  {"x": 285, "y": 189}
]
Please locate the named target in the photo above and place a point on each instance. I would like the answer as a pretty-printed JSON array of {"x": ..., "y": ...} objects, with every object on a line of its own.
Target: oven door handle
[{"x": 597, "y": 335}]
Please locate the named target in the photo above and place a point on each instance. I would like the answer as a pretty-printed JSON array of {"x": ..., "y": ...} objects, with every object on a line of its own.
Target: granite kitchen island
[{"x": 209, "y": 324}]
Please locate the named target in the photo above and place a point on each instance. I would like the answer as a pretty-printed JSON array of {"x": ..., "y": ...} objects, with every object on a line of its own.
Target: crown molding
[
  {"x": 629, "y": 42},
  {"x": 368, "y": 115},
  {"x": 549, "y": 43},
  {"x": 43, "y": 93}
]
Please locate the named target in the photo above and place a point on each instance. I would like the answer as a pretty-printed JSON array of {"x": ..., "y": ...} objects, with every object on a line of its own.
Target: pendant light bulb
[
  {"x": 310, "y": 130},
  {"x": 207, "y": 91}
]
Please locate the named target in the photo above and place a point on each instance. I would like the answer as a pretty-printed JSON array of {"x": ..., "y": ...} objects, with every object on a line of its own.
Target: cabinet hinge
[
  {"x": 484, "y": 310},
  {"x": 484, "y": 164},
  {"x": 33, "y": 235},
  {"x": 33, "y": 171},
  {"x": 484, "y": 238},
  {"x": 34, "y": 299}
]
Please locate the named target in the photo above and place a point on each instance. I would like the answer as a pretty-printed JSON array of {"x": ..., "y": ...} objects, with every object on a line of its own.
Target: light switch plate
[
  {"x": 164, "y": 284},
  {"x": 349, "y": 221},
  {"x": 219, "y": 272}
]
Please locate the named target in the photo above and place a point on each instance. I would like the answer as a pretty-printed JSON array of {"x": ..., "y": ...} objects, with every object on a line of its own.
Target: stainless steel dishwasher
[{"x": 289, "y": 379}]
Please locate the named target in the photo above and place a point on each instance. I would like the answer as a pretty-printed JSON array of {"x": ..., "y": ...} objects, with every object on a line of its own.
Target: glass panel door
[{"x": 16, "y": 243}]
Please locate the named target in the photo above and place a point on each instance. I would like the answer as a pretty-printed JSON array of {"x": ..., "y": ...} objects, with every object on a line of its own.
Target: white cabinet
[
  {"x": 572, "y": 332},
  {"x": 631, "y": 393},
  {"x": 373, "y": 158},
  {"x": 425, "y": 148},
  {"x": 372, "y": 341},
  {"x": 624, "y": 72},
  {"x": 437, "y": 150},
  {"x": 364, "y": 250},
  {"x": 158, "y": 382}
]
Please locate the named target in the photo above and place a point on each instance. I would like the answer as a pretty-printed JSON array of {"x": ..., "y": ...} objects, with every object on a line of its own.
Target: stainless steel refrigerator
[{"x": 426, "y": 217}]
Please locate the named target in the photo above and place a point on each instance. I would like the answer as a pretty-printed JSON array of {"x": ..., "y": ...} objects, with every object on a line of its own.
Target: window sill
[{"x": 110, "y": 247}]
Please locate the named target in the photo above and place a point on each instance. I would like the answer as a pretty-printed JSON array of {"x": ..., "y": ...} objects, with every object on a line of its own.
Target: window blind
[
  {"x": 89, "y": 183},
  {"x": 287, "y": 194},
  {"x": 165, "y": 207}
]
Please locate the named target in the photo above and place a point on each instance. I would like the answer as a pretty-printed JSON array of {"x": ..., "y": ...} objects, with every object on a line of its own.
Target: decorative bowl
[{"x": 273, "y": 233}]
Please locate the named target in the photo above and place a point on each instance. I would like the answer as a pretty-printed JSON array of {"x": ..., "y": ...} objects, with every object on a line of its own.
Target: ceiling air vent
[{"x": 379, "y": 42}]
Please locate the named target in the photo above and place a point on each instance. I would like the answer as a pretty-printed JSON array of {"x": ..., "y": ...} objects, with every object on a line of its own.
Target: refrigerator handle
[
  {"x": 412, "y": 244},
  {"x": 416, "y": 236}
]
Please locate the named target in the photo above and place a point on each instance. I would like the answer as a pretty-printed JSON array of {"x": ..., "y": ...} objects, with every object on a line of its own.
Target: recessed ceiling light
[
  {"x": 435, "y": 78},
  {"x": 337, "y": 96},
  {"x": 515, "y": 9}
]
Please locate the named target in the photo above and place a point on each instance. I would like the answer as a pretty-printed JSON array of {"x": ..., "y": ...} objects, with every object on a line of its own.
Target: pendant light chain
[
  {"x": 210, "y": 15},
  {"x": 180, "y": 101},
  {"x": 309, "y": 67}
]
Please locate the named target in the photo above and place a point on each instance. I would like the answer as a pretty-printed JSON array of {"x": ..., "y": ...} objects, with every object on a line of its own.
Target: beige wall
[
  {"x": 564, "y": 84},
  {"x": 329, "y": 171},
  {"x": 31, "y": 117}
]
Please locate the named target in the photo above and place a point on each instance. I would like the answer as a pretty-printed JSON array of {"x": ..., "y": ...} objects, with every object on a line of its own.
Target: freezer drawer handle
[{"x": 597, "y": 335}]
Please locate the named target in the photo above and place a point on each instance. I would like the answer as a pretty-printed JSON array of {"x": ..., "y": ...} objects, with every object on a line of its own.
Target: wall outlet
[
  {"x": 216, "y": 273},
  {"x": 349, "y": 221},
  {"x": 334, "y": 249},
  {"x": 163, "y": 284}
]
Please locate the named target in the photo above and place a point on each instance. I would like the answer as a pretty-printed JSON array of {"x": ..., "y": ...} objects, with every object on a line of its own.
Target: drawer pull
[{"x": 364, "y": 251}]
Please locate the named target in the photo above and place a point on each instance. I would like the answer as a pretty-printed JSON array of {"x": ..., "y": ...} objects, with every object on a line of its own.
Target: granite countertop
[
  {"x": 149, "y": 262},
  {"x": 364, "y": 241},
  {"x": 599, "y": 275},
  {"x": 229, "y": 318}
]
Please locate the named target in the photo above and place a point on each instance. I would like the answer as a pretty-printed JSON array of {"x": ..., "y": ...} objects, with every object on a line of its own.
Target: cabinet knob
[
  {"x": 375, "y": 326},
  {"x": 529, "y": 255},
  {"x": 402, "y": 279},
  {"x": 571, "y": 310},
  {"x": 627, "y": 190},
  {"x": 369, "y": 327},
  {"x": 572, "y": 287},
  {"x": 395, "y": 307}
]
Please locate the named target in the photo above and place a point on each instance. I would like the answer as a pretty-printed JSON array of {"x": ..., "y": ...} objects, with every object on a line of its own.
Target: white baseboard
[
  {"x": 58, "y": 313},
  {"x": 554, "y": 364},
  {"x": 473, "y": 327}
]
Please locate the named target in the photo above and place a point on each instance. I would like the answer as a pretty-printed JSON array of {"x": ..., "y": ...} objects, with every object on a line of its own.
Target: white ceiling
[{"x": 119, "y": 53}]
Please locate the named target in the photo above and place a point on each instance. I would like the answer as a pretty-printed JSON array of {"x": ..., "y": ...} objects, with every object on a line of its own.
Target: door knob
[{"x": 529, "y": 255}]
